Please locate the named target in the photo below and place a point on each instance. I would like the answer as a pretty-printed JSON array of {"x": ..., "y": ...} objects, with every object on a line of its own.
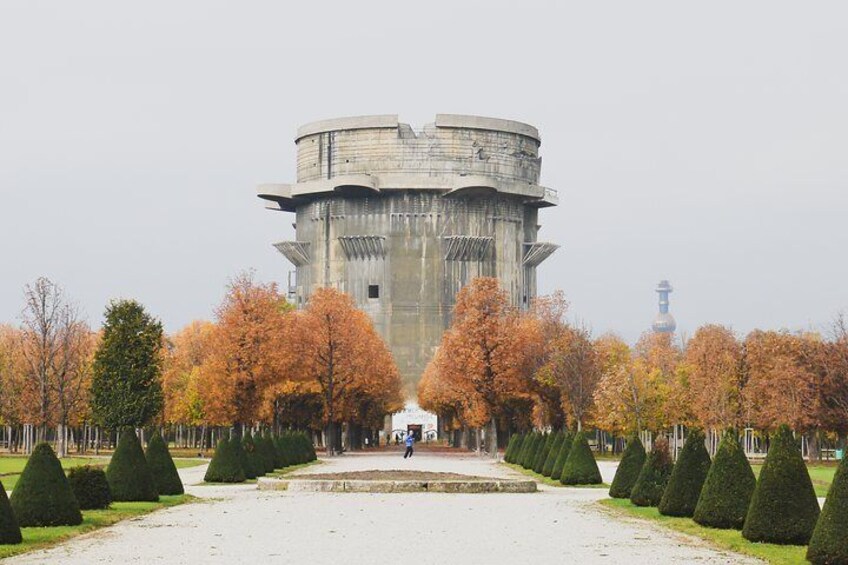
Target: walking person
[{"x": 410, "y": 441}]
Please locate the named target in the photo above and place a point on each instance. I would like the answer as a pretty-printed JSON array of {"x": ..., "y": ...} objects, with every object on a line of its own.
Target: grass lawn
[
  {"x": 820, "y": 473},
  {"x": 724, "y": 539},
  {"x": 40, "y": 538},
  {"x": 547, "y": 480},
  {"x": 11, "y": 466}
]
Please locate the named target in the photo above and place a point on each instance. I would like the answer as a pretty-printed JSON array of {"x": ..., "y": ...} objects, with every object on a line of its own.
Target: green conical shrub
[
  {"x": 562, "y": 456},
  {"x": 649, "y": 486},
  {"x": 829, "y": 544},
  {"x": 628, "y": 469},
  {"x": 542, "y": 454},
  {"x": 534, "y": 448},
  {"x": 510, "y": 447},
  {"x": 281, "y": 444},
  {"x": 10, "y": 532},
  {"x": 279, "y": 458},
  {"x": 129, "y": 476},
  {"x": 687, "y": 478},
  {"x": 162, "y": 467},
  {"x": 251, "y": 462},
  {"x": 727, "y": 491},
  {"x": 267, "y": 451},
  {"x": 42, "y": 496},
  {"x": 226, "y": 466},
  {"x": 580, "y": 468},
  {"x": 784, "y": 508},
  {"x": 527, "y": 448},
  {"x": 91, "y": 489},
  {"x": 521, "y": 449},
  {"x": 548, "y": 467}
]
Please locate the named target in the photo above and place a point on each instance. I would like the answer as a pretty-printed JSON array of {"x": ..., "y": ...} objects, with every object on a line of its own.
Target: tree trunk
[
  {"x": 493, "y": 440},
  {"x": 62, "y": 433}
]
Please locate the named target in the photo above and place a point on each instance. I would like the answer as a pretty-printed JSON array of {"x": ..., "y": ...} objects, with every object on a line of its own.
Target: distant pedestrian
[{"x": 410, "y": 441}]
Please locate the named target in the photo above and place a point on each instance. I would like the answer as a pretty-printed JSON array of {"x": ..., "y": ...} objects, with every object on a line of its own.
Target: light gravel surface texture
[{"x": 240, "y": 524}]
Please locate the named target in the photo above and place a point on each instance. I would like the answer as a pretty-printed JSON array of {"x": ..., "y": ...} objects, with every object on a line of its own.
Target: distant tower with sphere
[{"x": 664, "y": 322}]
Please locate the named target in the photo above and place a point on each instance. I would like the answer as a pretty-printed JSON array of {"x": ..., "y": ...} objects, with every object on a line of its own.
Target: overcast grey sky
[{"x": 706, "y": 144}]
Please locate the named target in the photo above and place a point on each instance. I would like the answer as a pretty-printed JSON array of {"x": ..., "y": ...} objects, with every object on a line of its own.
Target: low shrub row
[
  {"x": 559, "y": 456},
  {"x": 237, "y": 460},
  {"x": 44, "y": 496},
  {"x": 779, "y": 508}
]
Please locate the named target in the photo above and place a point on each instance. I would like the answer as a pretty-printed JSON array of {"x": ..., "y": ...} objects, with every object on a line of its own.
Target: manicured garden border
[
  {"x": 547, "y": 480},
  {"x": 731, "y": 540},
  {"x": 43, "y": 538}
]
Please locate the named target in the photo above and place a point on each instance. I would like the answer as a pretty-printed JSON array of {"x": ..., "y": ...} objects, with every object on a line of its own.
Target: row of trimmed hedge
[
  {"x": 237, "y": 460},
  {"x": 45, "y": 496},
  {"x": 560, "y": 456},
  {"x": 781, "y": 507}
]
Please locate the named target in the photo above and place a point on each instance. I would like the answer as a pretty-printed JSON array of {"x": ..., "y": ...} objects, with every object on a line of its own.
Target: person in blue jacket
[{"x": 410, "y": 441}]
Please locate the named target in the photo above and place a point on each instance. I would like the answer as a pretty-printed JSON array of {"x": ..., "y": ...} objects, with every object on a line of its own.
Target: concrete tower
[
  {"x": 402, "y": 219},
  {"x": 664, "y": 322}
]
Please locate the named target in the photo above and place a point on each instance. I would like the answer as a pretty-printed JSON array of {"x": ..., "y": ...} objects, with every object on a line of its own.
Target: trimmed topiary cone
[
  {"x": 548, "y": 467},
  {"x": 267, "y": 451},
  {"x": 225, "y": 466},
  {"x": 510, "y": 448},
  {"x": 10, "y": 532},
  {"x": 580, "y": 468},
  {"x": 252, "y": 463},
  {"x": 649, "y": 486},
  {"x": 542, "y": 454},
  {"x": 42, "y": 496},
  {"x": 629, "y": 468},
  {"x": 129, "y": 476},
  {"x": 534, "y": 449},
  {"x": 562, "y": 456},
  {"x": 529, "y": 446},
  {"x": 521, "y": 450},
  {"x": 687, "y": 478},
  {"x": 162, "y": 467},
  {"x": 829, "y": 543},
  {"x": 784, "y": 508},
  {"x": 727, "y": 491},
  {"x": 281, "y": 444}
]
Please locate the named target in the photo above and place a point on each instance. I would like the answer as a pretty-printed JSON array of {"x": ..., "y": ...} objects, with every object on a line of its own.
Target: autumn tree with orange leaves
[
  {"x": 334, "y": 345},
  {"x": 248, "y": 352},
  {"x": 714, "y": 359},
  {"x": 485, "y": 354}
]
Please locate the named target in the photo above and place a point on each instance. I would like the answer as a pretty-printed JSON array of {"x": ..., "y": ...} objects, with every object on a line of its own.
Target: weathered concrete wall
[{"x": 402, "y": 221}]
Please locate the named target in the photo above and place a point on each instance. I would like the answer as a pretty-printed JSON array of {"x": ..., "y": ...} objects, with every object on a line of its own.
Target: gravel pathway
[{"x": 240, "y": 524}]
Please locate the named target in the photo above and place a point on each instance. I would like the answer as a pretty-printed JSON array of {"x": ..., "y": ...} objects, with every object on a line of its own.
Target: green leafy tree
[
  {"x": 126, "y": 389},
  {"x": 727, "y": 491},
  {"x": 687, "y": 478},
  {"x": 784, "y": 507},
  {"x": 629, "y": 468},
  {"x": 580, "y": 468},
  {"x": 829, "y": 543}
]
